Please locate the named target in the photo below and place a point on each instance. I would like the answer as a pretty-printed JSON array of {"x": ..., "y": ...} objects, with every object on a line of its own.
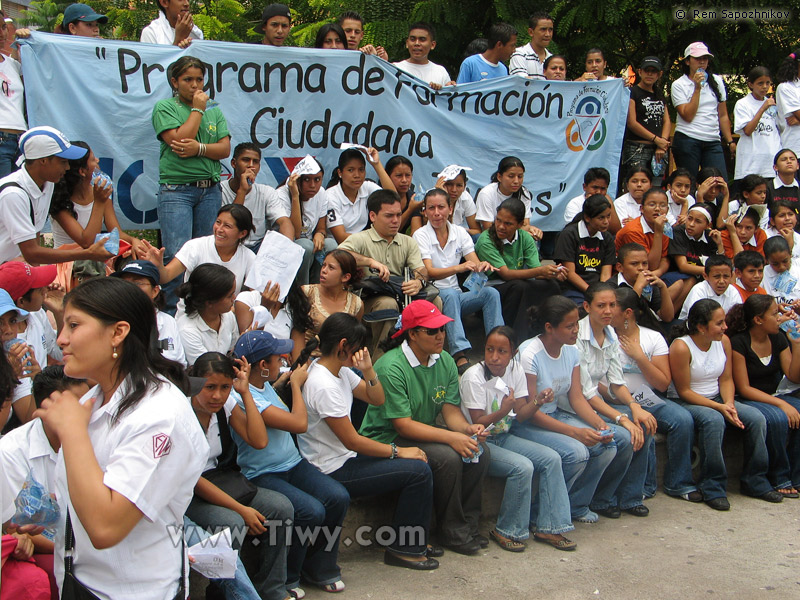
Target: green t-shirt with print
[
  {"x": 171, "y": 113},
  {"x": 416, "y": 392},
  {"x": 522, "y": 253}
]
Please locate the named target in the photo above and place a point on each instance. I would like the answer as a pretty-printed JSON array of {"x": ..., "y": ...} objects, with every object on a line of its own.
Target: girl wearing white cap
[{"x": 699, "y": 97}]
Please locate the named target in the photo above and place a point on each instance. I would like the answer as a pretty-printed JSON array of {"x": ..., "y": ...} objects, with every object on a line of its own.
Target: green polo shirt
[
  {"x": 401, "y": 252},
  {"x": 417, "y": 392},
  {"x": 522, "y": 253},
  {"x": 171, "y": 113}
]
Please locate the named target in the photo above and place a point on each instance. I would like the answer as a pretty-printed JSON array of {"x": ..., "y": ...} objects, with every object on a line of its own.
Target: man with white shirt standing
[
  {"x": 528, "y": 60},
  {"x": 174, "y": 25},
  {"x": 420, "y": 42}
]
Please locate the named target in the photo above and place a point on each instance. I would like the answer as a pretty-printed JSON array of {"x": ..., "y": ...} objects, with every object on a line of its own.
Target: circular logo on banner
[{"x": 587, "y": 129}]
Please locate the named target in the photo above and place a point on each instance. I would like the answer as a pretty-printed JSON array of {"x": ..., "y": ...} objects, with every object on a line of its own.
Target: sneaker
[
  {"x": 297, "y": 593},
  {"x": 588, "y": 517}
]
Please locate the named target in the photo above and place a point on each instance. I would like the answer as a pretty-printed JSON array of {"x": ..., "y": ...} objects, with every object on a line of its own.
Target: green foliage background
[{"x": 627, "y": 30}]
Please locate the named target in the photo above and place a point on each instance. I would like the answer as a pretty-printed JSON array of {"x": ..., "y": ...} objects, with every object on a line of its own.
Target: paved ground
[{"x": 681, "y": 550}]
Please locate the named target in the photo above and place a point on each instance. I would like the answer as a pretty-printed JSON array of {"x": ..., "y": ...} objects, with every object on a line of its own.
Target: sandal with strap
[
  {"x": 560, "y": 543},
  {"x": 506, "y": 543},
  {"x": 789, "y": 492}
]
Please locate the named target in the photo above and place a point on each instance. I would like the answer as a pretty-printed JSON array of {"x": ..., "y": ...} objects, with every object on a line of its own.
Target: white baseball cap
[
  {"x": 41, "y": 142},
  {"x": 697, "y": 50}
]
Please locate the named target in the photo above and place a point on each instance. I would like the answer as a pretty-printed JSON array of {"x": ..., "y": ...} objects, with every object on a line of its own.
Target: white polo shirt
[
  {"x": 314, "y": 209},
  {"x": 198, "y": 338},
  {"x": 458, "y": 245},
  {"x": 627, "y": 208},
  {"x": 153, "y": 456},
  {"x": 22, "y": 450},
  {"x": 352, "y": 215},
  {"x": 260, "y": 202},
  {"x": 168, "y": 333},
  {"x": 727, "y": 300},
  {"x": 16, "y": 226},
  {"x": 326, "y": 395},
  {"x": 489, "y": 198},
  {"x": 464, "y": 207},
  {"x": 525, "y": 62},
  {"x": 675, "y": 208}
]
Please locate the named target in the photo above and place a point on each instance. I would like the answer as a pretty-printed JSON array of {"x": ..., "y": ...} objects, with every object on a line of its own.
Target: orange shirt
[
  {"x": 760, "y": 236},
  {"x": 745, "y": 294},
  {"x": 634, "y": 232}
]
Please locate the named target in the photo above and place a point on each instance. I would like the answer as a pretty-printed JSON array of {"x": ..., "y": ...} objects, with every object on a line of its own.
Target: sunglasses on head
[{"x": 431, "y": 331}]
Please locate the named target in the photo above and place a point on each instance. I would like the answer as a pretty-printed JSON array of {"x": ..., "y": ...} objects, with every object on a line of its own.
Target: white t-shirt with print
[
  {"x": 259, "y": 201},
  {"x": 705, "y": 124},
  {"x": 755, "y": 152},
  {"x": 489, "y": 198},
  {"x": 12, "y": 108},
  {"x": 477, "y": 394},
  {"x": 430, "y": 72},
  {"x": 202, "y": 250},
  {"x": 326, "y": 396}
]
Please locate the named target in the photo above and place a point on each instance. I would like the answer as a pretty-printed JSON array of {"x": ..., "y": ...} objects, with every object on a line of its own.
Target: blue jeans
[
  {"x": 582, "y": 466},
  {"x": 9, "y": 152},
  {"x": 526, "y": 466},
  {"x": 693, "y": 154},
  {"x": 238, "y": 588},
  {"x": 676, "y": 422},
  {"x": 783, "y": 444},
  {"x": 370, "y": 476},
  {"x": 319, "y": 501},
  {"x": 185, "y": 212},
  {"x": 304, "y": 274},
  {"x": 270, "y": 578},
  {"x": 710, "y": 426},
  {"x": 631, "y": 488},
  {"x": 457, "y": 302}
]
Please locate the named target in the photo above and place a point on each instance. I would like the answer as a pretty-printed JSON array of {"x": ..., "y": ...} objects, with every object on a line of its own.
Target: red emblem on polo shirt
[{"x": 161, "y": 445}]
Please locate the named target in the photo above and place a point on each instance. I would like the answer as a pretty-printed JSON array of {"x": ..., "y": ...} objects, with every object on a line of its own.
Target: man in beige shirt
[{"x": 388, "y": 252}]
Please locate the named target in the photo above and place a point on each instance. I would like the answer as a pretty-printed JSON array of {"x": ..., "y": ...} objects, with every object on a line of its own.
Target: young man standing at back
[
  {"x": 421, "y": 41},
  {"x": 276, "y": 23},
  {"x": 528, "y": 60},
  {"x": 502, "y": 40},
  {"x": 353, "y": 25}
]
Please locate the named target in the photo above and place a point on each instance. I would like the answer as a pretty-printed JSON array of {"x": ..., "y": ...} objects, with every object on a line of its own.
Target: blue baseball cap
[
  {"x": 82, "y": 12},
  {"x": 7, "y": 305},
  {"x": 141, "y": 268},
  {"x": 41, "y": 142},
  {"x": 258, "y": 345}
]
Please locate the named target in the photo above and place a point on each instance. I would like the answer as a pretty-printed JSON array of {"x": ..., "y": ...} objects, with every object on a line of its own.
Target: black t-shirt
[
  {"x": 762, "y": 377},
  {"x": 791, "y": 194},
  {"x": 695, "y": 251},
  {"x": 589, "y": 254},
  {"x": 649, "y": 113}
]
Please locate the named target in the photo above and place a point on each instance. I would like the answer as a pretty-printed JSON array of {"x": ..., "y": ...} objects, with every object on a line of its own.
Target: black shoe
[
  {"x": 611, "y": 512},
  {"x": 772, "y": 496},
  {"x": 469, "y": 548},
  {"x": 429, "y": 564},
  {"x": 720, "y": 503},
  {"x": 434, "y": 551},
  {"x": 482, "y": 540},
  {"x": 693, "y": 496},
  {"x": 638, "y": 511},
  {"x": 462, "y": 368}
]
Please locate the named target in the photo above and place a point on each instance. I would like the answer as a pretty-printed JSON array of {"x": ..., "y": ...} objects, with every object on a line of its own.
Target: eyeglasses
[{"x": 431, "y": 331}]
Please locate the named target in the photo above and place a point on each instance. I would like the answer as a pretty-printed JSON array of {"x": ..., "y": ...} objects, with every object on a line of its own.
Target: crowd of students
[{"x": 150, "y": 390}]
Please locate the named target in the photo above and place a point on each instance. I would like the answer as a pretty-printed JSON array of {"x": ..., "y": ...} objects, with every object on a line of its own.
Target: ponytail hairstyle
[
  {"x": 553, "y": 310},
  {"x": 593, "y": 207},
  {"x": 351, "y": 154},
  {"x": 395, "y": 162},
  {"x": 241, "y": 215},
  {"x": 699, "y": 314},
  {"x": 212, "y": 363},
  {"x": 740, "y": 317},
  {"x": 111, "y": 300},
  {"x": 435, "y": 192},
  {"x": 517, "y": 210},
  {"x": 712, "y": 83},
  {"x": 788, "y": 69},
  {"x": 298, "y": 307},
  {"x": 207, "y": 283},
  {"x": 780, "y": 153},
  {"x": 627, "y": 298},
  {"x": 337, "y": 327},
  {"x": 507, "y": 163},
  {"x": 508, "y": 333},
  {"x": 63, "y": 190}
]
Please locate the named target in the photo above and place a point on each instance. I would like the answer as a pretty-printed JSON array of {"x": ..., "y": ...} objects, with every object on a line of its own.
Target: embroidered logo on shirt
[{"x": 161, "y": 445}]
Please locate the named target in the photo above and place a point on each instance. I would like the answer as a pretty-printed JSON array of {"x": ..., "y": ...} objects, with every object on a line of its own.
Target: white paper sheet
[
  {"x": 450, "y": 172},
  {"x": 347, "y": 146},
  {"x": 278, "y": 261},
  {"x": 213, "y": 557},
  {"x": 307, "y": 166},
  {"x": 645, "y": 397}
]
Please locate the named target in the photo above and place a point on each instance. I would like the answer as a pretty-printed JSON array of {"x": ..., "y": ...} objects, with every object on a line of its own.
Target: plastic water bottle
[
  {"x": 772, "y": 111},
  {"x": 7, "y": 347},
  {"x": 705, "y": 76},
  {"x": 103, "y": 179},
  {"x": 647, "y": 292},
  {"x": 475, "y": 457},
  {"x": 657, "y": 166}
]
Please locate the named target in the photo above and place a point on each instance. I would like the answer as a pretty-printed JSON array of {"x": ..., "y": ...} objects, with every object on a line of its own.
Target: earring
[
  {"x": 114, "y": 354},
  {"x": 265, "y": 373},
  {"x": 626, "y": 324}
]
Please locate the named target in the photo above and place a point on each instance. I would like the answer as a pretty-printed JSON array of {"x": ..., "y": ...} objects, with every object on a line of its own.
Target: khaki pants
[{"x": 380, "y": 330}]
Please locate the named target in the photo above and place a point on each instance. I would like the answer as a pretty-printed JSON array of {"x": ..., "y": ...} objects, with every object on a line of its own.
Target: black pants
[{"x": 518, "y": 295}]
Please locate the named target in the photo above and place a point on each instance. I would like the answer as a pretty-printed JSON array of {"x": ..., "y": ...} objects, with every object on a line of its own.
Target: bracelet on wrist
[
  {"x": 394, "y": 451},
  {"x": 198, "y": 110},
  {"x": 373, "y": 382}
]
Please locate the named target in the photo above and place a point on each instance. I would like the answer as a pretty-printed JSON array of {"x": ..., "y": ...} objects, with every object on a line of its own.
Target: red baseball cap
[
  {"x": 421, "y": 313},
  {"x": 17, "y": 278}
]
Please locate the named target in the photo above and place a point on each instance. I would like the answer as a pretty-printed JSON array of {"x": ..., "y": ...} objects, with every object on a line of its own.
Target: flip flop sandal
[
  {"x": 559, "y": 544},
  {"x": 788, "y": 492},
  {"x": 505, "y": 543}
]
